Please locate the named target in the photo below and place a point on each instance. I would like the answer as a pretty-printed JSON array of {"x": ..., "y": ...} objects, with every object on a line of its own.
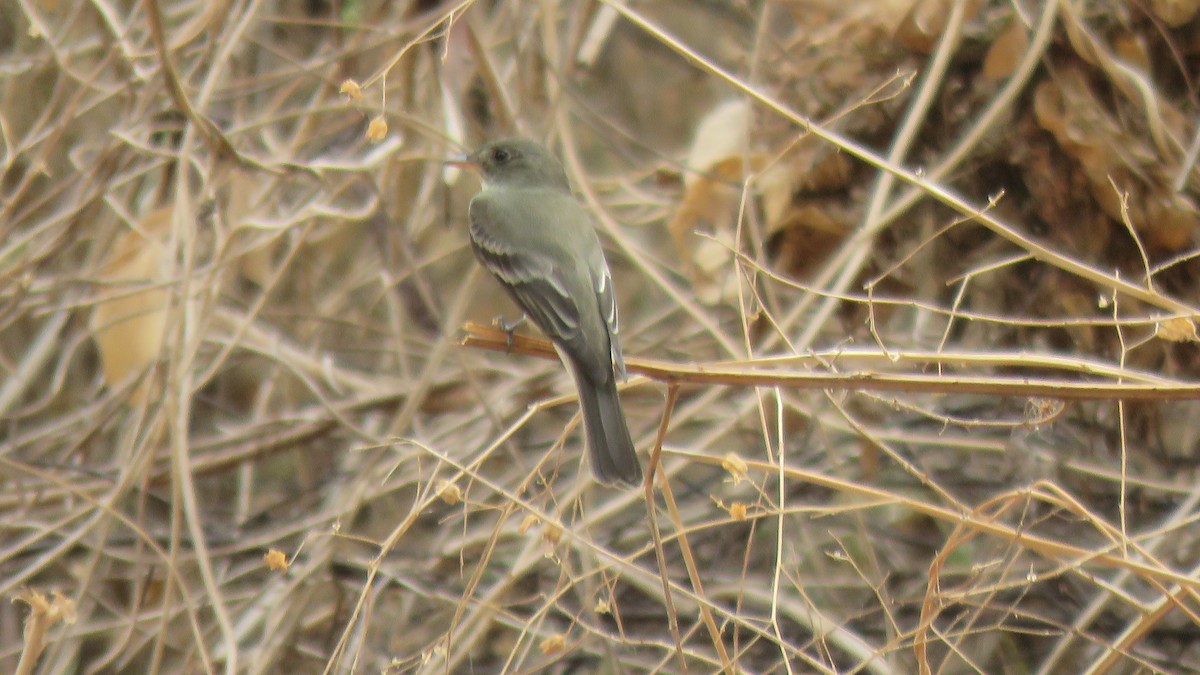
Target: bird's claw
[{"x": 508, "y": 328}]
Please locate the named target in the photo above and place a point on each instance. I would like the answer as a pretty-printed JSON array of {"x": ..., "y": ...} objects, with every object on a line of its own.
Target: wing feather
[
  {"x": 607, "y": 298},
  {"x": 533, "y": 282},
  {"x": 531, "y": 269}
]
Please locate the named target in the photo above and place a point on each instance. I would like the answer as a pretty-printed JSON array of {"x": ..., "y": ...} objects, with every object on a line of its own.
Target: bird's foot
[{"x": 508, "y": 327}]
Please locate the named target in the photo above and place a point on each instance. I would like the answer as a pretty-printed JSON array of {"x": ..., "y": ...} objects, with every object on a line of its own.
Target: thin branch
[{"x": 865, "y": 380}]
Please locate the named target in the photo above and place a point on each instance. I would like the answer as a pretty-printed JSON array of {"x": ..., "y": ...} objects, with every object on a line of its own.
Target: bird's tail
[{"x": 610, "y": 448}]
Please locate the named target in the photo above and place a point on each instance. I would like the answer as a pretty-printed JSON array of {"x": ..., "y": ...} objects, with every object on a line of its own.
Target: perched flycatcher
[{"x": 535, "y": 238}]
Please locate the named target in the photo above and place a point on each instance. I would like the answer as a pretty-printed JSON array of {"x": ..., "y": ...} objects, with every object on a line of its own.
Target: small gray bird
[{"x": 534, "y": 237}]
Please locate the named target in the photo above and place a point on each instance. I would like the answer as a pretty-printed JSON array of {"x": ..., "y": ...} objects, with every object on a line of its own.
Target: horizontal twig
[{"x": 768, "y": 374}]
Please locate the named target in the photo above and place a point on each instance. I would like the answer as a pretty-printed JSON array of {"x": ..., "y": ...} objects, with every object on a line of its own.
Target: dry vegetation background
[{"x": 907, "y": 286}]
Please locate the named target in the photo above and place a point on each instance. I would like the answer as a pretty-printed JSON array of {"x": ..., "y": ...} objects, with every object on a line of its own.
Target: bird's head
[{"x": 518, "y": 162}]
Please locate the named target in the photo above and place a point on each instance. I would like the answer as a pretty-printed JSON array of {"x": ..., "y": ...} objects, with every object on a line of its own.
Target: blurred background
[{"x": 239, "y": 431}]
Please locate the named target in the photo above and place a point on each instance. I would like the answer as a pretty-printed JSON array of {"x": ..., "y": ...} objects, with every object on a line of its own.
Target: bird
[{"x": 528, "y": 230}]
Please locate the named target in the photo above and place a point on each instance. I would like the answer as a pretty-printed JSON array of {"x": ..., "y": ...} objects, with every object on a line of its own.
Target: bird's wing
[
  {"x": 532, "y": 281},
  {"x": 607, "y": 297},
  {"x": 532, "y": 277},
  {"x": 561, "y": 281}
]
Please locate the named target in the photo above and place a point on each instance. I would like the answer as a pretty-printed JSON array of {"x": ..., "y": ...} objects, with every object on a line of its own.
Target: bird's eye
[{"x": 501, "y": 155}]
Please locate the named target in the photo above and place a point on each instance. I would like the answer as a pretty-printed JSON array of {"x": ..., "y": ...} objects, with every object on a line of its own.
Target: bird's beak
[
  {"x": 463, "y": 162},
  {"x": 454, "y": 166}
]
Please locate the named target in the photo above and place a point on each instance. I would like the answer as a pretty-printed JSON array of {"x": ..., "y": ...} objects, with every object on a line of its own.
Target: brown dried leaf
[
  {"x": 1132, "y": 50},
  {"x": 814, "y": 168},
  {"x": 1042, "y": 410},
  {"x": 552, "y": 534},
  {"x": 351, "y": 90},
  {"x": 719, "y": 159},
  {"x": 700, "y": 201},
  {"x": 922, "y": 25},
  {"x": 1006, "y": 51},
  {"x": 829, "y": 170},
  {"x": 1109, "y": 156},
  {"x": 926, "y": 19},
  {"x": 810, "y": 233},
  {"x": 258, "y": 265},
  {"x": 1170, "y": 220},
  {"x": 738, "y": 510},
  {"x": 276, "y": 560},
  {"x": 1179, "y": 329},
  {"x": 129, "y": 329},
  {"x": 1174, "y": 13},
  {"x": 554, "y": 644},
  {"x": 528, "y": 522},
  {"x": 377, "y": 130},
  {"x": 1129, "y": 72},
  {"x": 777, "y": 186},
  {"x": 1067, "y": 109},
  {"x": 722, "y": 134},
  {"x": 735, "y": 466},
  {"x": 449, "y": 492}
]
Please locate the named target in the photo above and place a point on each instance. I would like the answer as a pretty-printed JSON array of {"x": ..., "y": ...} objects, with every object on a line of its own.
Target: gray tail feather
[{"x": 610, "y": 448}]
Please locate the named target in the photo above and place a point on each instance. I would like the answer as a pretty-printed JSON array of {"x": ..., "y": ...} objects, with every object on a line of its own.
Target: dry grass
[{"x": 909, "y": 324}]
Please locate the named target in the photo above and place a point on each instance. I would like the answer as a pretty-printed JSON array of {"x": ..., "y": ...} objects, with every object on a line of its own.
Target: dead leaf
[
  {"x": 704, "y": 224},
  {"x": 554, "y": 644},
  {"x": 1132, "y": 50},
  {"x": 922, "y": 25},
  {"x": 926, "y": 19},
  {"x": 1170, "y": 220},
  {"x": 528, "y": 522},
  {"x": 351, "y": 90},
  {"x": 1174, "y": 13},
  {"x": 1130, "y": 74},
  {"x": 735, "y": 466},
  {"x": 723, "y": 133},
  {"x": 276, "y": 560},
  {"x": 809, "y": 233},
  {"x": 449, "y": 492},
  {"x": 777, "y": 186},
  {"x": 1179, "y": 329},
  {"x": 1107, "y": 155},
  {"x": 377, "y": 130},
  {"x": 1006, "y": 51},
  {"x": 129, "y": 329},
  {"x": 738, "y": 510},
  {"x": 719, "y": 158},
  {"x": 1039, "y": 411}
]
